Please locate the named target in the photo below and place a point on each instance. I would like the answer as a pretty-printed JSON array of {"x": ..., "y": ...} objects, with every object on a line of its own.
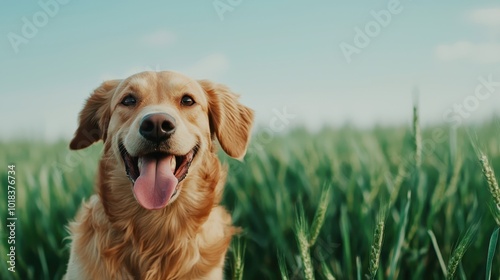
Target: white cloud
[
  {"x": 158, "y": 39},
  {"x": 475, "y": 52},
  {"x": 489, "y": 17},
  {"x": 484, "y": 52},
  {"x": 210, "y": 67}
]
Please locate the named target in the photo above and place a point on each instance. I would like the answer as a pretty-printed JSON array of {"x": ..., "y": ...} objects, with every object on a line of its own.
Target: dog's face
[{"x": 157, "y": 124}]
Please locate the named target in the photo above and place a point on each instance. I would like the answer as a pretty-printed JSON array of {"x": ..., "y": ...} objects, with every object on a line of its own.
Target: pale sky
[{"x": 276, "y": 54}]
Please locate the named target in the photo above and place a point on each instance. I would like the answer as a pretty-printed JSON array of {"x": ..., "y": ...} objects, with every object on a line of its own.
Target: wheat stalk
[
  {"x": 417, "y": 137},
  {"x": 319, "y": 217}
]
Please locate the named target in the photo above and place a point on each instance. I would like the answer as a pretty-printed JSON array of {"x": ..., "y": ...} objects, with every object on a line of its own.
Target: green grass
[{"x": 402, "y": 203}]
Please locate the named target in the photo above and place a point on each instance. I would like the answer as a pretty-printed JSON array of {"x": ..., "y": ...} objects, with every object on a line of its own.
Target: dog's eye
[
  {"x": 129, "y": 100},
  {"x": 187, "y": 100}
]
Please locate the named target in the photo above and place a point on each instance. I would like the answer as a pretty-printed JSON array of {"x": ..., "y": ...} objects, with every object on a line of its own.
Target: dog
[{"x": 156, "y": 214}]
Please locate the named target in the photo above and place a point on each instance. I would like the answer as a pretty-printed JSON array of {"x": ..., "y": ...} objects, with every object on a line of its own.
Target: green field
[{"x": 402, "y": 204}]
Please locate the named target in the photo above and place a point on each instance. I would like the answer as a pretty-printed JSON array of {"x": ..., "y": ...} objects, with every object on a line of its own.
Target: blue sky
[{"x": 279, "y": 55}]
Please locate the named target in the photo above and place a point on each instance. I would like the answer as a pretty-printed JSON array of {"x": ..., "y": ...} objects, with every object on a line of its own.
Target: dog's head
[{"x": 157, "y": 124}]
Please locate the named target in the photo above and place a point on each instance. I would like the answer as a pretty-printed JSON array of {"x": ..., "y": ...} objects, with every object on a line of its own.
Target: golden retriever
[{"x": 156, "y": 214}]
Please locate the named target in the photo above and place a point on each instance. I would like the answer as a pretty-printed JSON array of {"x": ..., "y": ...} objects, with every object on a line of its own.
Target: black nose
[{"x": 157, "y": 127}]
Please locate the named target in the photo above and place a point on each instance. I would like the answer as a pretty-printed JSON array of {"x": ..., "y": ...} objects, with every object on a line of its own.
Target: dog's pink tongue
[{"x": 156, "y": 183}]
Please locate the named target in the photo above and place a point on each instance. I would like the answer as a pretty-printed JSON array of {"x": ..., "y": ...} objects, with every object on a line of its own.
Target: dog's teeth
[
  {"x": 139, "y": 164},
  {"x": 172, "y": 163}
]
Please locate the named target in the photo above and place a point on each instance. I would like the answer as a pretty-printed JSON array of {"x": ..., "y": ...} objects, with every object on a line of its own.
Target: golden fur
[{"x": 113, "y": 236}]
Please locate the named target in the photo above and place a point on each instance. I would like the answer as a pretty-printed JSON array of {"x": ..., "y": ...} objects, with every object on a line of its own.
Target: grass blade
[
  {"x": 491, "y": 252},
  {"x": 43, "y": 261},
  {"x": 398, "y": 182},
  {"x": 327, "y": 273},
  {"x": 400, "y": 239},
  {"x": 438, "y": 252},
  {"x": 358, "y": 268},
  {"x": 346, "y": 240},
  {"x": 282, "y": 265}
]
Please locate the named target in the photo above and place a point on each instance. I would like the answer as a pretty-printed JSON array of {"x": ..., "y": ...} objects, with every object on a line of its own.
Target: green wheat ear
[
  {"x": 319, "y": 217},
  {"x": 239, "y": 257},
  {"x": 376, "y": 248},
  {"x": 489, "y": 174},
  {"x": 301, "y": 234},
  {"x": 460, "y": 250}
]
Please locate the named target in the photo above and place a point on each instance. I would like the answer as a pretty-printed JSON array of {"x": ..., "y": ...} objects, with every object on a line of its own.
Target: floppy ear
[
  {"x": 230, "y": 121},
  {"x": 94, "y": 117}
]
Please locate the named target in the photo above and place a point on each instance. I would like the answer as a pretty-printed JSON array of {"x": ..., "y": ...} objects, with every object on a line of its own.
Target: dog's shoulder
[{"x": 90, "y": 235}]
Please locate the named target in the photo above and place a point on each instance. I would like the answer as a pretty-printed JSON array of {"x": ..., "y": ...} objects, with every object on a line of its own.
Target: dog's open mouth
[{"x": 156, "y": 175}]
